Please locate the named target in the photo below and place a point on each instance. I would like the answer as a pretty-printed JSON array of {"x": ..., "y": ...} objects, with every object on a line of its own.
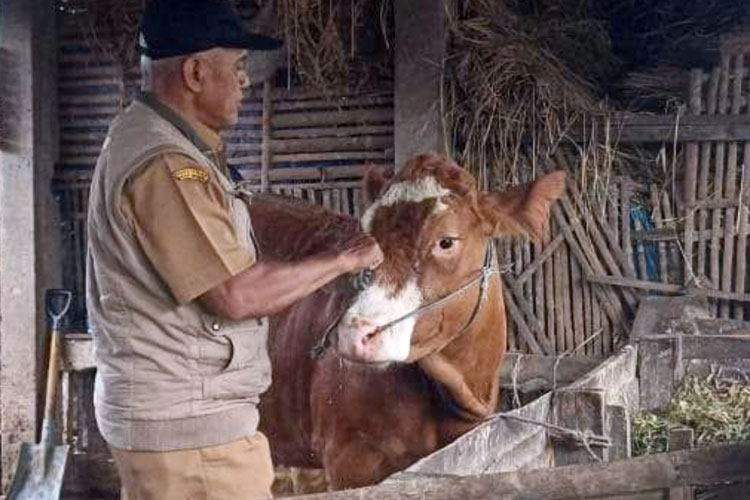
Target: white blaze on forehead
[
  {"x": 407, "y": 191},
  {"x": 377, "y": 306}
]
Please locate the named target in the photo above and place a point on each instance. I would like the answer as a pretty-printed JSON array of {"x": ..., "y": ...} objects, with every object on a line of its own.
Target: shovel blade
[{"x": 39, "y": 474}]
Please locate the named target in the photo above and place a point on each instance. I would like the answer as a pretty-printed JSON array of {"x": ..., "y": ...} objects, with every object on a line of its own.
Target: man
[{"x": 176, "y": 294}]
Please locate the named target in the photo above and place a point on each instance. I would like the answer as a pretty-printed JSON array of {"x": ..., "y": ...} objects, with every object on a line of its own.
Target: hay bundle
[
  {"x": 338, "y": 44},
  {"x": 518, "y": 82}
]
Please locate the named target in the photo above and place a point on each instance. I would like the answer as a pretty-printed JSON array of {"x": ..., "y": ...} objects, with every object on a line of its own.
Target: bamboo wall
[{"x": 699, "y": 244}]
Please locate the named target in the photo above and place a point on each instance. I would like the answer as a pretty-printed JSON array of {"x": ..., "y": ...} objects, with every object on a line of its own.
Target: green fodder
[{"x": 715, "y": 407}]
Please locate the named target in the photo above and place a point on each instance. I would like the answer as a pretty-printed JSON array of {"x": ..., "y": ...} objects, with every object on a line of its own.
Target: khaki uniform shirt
[{"x": 182, "y": 220}]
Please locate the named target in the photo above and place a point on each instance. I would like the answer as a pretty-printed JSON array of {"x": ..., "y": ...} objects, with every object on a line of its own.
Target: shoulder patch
[{"x": 191, "y": 174}]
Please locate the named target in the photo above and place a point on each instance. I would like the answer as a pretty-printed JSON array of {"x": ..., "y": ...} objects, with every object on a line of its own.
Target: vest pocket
[{"x": 247, "y": 374}]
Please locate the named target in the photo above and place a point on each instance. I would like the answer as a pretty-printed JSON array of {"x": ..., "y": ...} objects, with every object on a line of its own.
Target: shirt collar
[{"x": 204, "y": 138}]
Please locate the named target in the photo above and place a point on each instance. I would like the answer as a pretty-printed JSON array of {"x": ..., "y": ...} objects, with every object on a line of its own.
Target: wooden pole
[{"x": 706, "y": 466}]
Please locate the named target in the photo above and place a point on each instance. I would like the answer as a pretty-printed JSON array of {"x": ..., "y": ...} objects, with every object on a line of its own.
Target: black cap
[{"x": 177, "y": 27}]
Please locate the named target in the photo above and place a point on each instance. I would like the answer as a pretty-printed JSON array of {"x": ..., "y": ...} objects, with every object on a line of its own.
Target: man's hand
[
  {"x": 268, "y": 287},
  {"x": 362, "y": 252}
]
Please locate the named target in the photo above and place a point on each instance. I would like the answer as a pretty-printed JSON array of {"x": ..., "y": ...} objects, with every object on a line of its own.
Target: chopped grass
[{"x": 716, "y": 408}]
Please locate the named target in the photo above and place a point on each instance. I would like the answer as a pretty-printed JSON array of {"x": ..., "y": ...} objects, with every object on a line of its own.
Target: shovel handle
[
  {"x": 53, "y": 368},
  {"x": 57, "y": 305}
]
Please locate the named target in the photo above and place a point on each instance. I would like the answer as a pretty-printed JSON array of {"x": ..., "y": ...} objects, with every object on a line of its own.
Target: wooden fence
[{"x": 699, "y": 240}]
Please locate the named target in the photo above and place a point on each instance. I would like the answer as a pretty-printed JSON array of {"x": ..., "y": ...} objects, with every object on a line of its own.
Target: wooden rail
[{"x": 699, "y": 467}]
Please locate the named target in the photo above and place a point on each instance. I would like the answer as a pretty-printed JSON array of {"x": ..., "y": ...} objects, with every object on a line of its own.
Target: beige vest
[{"x": 169, "y": 376}]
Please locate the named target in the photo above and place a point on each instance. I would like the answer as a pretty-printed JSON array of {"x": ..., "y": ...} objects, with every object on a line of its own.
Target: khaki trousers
[{"x": 240, "y": 470}]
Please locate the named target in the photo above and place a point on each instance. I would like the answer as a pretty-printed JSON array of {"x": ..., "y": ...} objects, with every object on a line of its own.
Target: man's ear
[
  {"x": 523, "y": 210},
  {"x": 373, "y": 183},
  {"x": 193, "y": 69}
]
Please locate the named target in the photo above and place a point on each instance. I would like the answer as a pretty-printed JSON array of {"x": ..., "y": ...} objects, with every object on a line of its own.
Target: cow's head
[{"x": 433, "y": 226}]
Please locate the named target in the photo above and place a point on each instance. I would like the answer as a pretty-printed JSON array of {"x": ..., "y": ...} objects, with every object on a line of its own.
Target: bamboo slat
[
  {"x": 640, "y": 254},
  {"x": 549, "y": 292},
  {"x": 725, "y": 309},
  {"x": 742, "y": 230},
  {"x": 538, "y": 290},
  {"x": 691, "y": 179},
  {"x": 659, "y": 223},
  {"x": 559, "y": 292},
  {"x": 576, "y": 286},
  {"x": 266, "y": 156}
]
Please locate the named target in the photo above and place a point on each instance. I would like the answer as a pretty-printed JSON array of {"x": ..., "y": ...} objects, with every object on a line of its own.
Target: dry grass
[
  {"x": 338, "y": 44},
  {"x": 716, "y": 408},
  {"x": 516, "y": 84}
]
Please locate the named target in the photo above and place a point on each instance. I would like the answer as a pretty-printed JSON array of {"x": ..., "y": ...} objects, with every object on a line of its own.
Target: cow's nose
[{"x": 357, "y": 336}]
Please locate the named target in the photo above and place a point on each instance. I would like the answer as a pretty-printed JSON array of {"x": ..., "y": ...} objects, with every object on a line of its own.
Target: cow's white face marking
[
  {"x": 407, "y": 191},
  {"x": 374, "y": 307}
]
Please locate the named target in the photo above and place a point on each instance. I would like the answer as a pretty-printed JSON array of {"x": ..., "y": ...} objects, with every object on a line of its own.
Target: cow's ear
[
  {"x": 373, "y": 183},
  {"x": 523, "y": 210}
]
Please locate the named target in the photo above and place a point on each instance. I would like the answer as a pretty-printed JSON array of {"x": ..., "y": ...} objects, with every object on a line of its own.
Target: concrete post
[
  {"x": 420, "y": 51},
  {"x": 28, "y": 148}
]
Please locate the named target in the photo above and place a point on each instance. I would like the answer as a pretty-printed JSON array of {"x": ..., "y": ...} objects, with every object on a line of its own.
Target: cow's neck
[{"x": 468, "y": 368}]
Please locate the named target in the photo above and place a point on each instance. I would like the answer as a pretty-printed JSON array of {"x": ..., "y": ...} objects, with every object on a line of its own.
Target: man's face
[{"x": 221, "y": 95}]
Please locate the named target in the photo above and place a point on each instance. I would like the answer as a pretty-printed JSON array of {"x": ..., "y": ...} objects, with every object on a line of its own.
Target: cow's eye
[{"x": 446, "y": 243}]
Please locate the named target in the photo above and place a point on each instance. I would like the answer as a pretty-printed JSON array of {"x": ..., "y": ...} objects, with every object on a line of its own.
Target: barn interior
[{"x": 641, "y": 281}]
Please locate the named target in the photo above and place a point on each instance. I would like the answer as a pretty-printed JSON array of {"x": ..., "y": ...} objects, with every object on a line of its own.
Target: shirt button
[{"x": 215, "y": 326}]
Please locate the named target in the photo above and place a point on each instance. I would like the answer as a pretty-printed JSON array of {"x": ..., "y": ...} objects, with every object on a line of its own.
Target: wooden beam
[
  {"x": 707, "y": 346},
  {"x": 706, "y": 466},
  {"x": 668, "y": 288},
  {"x": 418, "y": 77},
  {"x": 642, "y": 128},
  {"x": 29, "y": 227}
]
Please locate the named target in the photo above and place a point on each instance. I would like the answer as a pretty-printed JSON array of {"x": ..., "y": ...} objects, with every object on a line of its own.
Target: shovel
[{"x": 40, "y": 468}]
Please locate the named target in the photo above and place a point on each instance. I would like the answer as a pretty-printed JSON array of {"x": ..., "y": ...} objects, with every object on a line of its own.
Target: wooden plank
[
  {"x": 530, "y": 320},
  {"x": 691, "y": 180},
  {"x": 703, "y": 174},
  {"x": 713, "y": 347},
  {"x": 526, "y": 257},
  {"x": 535, "y": 372},
  {"x": 567, "y": 306},
  {"x": 521, "y": 327},
  {"x": 517, "y": 269},
  {"x": 334, "y": 103},
  {"x": 266, "y": 155},
  {"x": 689, "y": 128},
  {"x": 658, "y": 222},
  {"x": 549, "y": 249},
  {"x": 608, "y": 299},
  {"x": 716, "y": 220},
  {"x": 315, "y": 119},
  {"x": 625, "y": 193},
  {"x": 593, "y": 347},
  {"x": 742, "y": 230},
  {"x": 382, "y": 156},
  {"x": 499, "y": 444},
  {"x": 538, "y": 291},
  {"x": 339, "y": 131},
  {"x": 576, "y": 285},
  {"x": 559, "y": 292},
  {"x": 640, "y": 255},
  {"x": 702, "y": 467},
  {"x": 549, "y": 293},
  {"x": 673, "y": 252},
  {"x": 582, "y": 411},
  {"x": 668, "y": 288},
  {"x": 596, "y": 323}
]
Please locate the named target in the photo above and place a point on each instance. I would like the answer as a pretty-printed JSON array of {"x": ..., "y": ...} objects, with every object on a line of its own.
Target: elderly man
[{"x": 176, "y": 292}]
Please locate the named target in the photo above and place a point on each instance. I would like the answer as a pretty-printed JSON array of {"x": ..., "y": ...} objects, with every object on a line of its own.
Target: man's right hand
[{"x": 362, "y": 252}]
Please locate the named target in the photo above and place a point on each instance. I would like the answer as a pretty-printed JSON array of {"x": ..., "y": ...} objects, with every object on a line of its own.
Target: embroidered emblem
[{"x": 191, "y": 174}]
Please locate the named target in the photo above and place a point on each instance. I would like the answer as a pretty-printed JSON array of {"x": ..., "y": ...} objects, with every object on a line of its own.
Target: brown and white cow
[{"x": 381, "y": 398}]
